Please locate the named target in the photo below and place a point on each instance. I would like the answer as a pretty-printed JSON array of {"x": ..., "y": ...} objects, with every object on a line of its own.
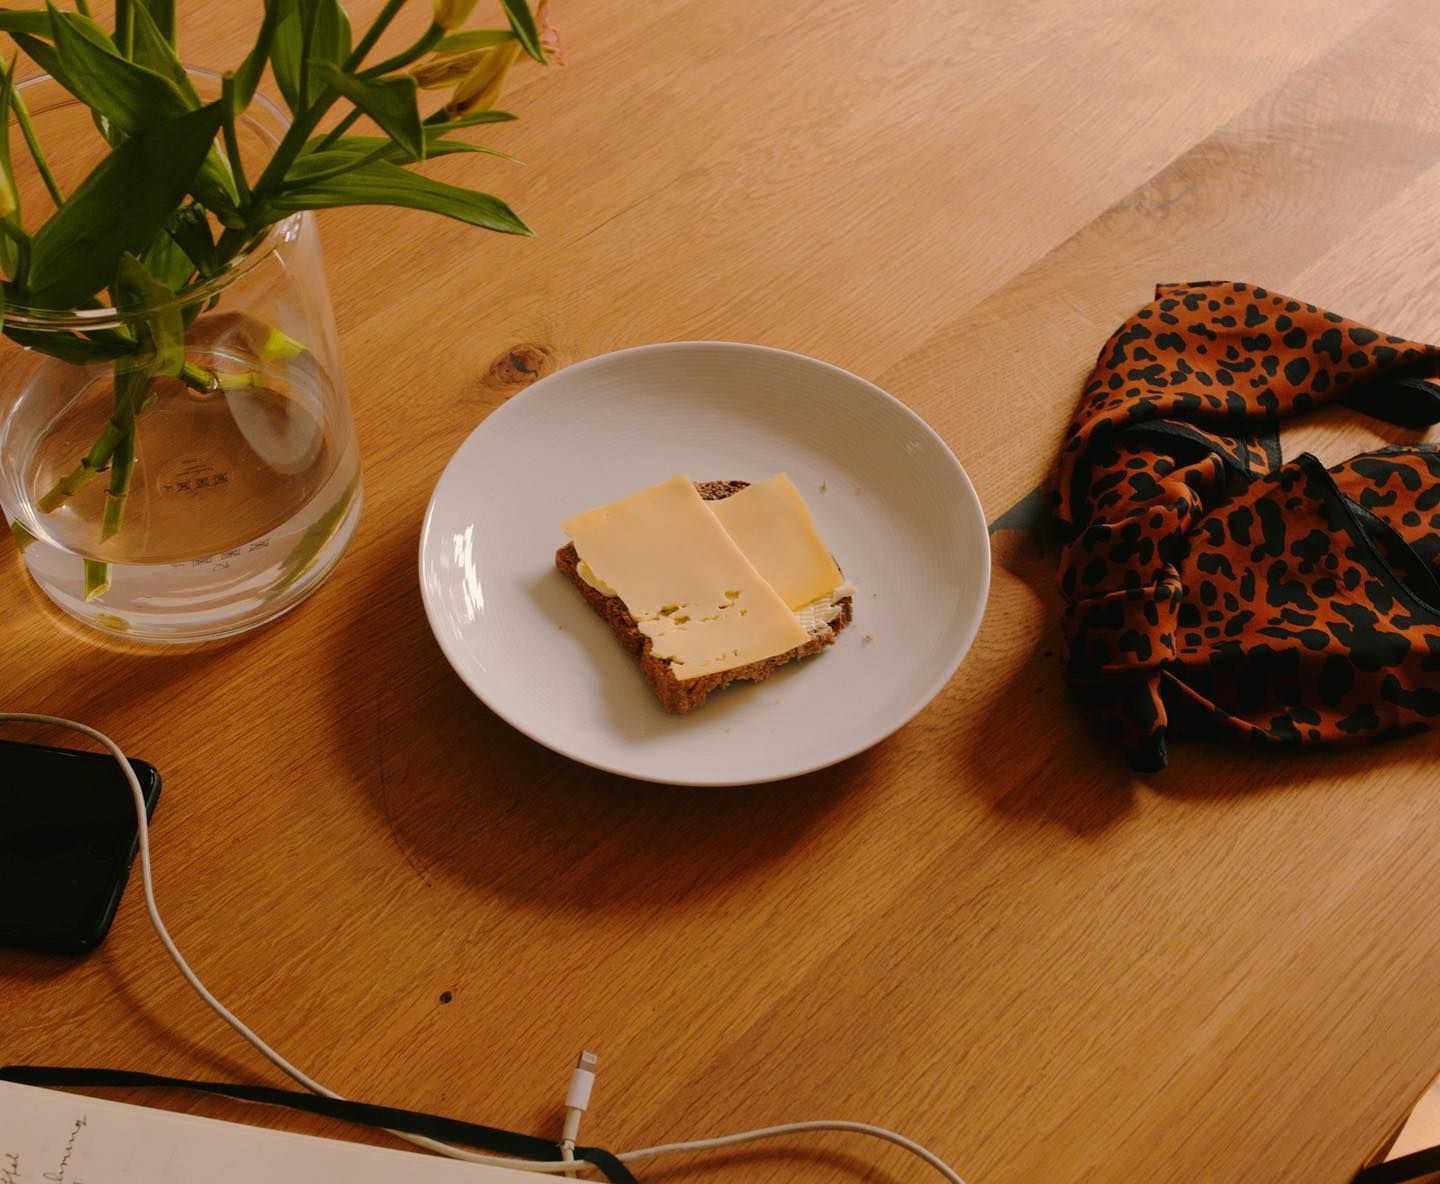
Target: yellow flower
[
  {"x": 451, "y": 14},
  {"x": 480, "y": 89}
]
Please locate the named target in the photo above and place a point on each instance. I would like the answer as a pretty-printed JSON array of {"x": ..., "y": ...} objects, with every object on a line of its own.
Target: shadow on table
[
  {"x": 38, "y": 970},
  {"x": 99, "y": 663},
  {"x": 29, "y": 966},
  {"x": 462, "y": 793},
  {"x": 1041, "y": 752}
]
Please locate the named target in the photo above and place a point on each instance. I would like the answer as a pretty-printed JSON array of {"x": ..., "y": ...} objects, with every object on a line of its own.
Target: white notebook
[{"x": 50, "y": 1137}]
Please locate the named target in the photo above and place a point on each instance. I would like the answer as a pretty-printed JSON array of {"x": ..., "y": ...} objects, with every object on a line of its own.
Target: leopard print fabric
[{"x": 1211, "y": 587}]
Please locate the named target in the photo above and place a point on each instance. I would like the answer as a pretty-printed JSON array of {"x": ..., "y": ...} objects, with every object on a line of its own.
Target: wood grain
[{"x": 985, "y": 932}]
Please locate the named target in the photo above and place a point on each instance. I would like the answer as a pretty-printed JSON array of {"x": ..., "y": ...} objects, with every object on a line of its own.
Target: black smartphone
[{"x": 67, "y": 840}]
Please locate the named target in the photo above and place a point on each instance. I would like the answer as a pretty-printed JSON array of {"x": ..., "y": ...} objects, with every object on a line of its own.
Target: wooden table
[{"x": 985, "y": 932}]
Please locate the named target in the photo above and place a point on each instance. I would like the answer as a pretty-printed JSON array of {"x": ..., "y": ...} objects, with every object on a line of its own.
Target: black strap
[
  {"x": 1405, "y": 402},
  {"x": 1267, "y": 436},
  {"x": 1407, "y": 564},
  {"x": 363, "y": 1113},
  {"x": 1415, "y": 1166}
]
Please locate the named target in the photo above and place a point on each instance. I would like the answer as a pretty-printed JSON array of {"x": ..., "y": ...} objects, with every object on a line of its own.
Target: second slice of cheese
[
  {"x": 686, "y": 582},
  {"x": 772, "y": 525}
]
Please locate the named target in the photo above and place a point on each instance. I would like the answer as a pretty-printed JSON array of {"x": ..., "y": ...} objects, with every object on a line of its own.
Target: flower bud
[
  {"x": 480, "y": 89},
  {"x": 445, "y": 69}
]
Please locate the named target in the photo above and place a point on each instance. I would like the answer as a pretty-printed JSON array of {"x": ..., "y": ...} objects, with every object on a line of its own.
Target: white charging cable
[
  {"x": 577, "y": 1100},
  {"x": 581, "y": 1081}
]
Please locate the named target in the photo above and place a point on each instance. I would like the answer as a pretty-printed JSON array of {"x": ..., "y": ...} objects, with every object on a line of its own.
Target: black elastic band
[
  {"x": 363, "y": 1113},
  {"x": 1415, "y": 1166}
]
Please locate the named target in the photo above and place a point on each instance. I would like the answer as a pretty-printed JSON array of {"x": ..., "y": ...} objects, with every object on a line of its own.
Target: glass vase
[{"x": 239, "y": 487}]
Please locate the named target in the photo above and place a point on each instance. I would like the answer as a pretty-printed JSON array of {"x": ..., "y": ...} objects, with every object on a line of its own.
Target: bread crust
[{"x": 681, "y": 695}]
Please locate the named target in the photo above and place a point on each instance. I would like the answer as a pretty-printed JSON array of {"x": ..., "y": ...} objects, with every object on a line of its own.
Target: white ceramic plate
[{"x": 888, "y": 496}]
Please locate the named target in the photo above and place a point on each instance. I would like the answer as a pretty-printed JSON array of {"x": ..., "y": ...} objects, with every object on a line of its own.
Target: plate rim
[{"x": 923, "y": 701}]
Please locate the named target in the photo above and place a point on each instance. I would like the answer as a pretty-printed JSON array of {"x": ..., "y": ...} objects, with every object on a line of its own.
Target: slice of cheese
[
  {"x": 686, "y": 582},
  {"x": 772, "y": 525}
]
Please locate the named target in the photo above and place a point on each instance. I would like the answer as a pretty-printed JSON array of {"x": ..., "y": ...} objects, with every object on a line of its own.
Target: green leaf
[
  {"x": 167, "y": 261},
  {"x": 247, "y": 77},
  {"x": 360, "y": 145},
  {"x": 35, "y": 21},
  {"x": 522, "y": 22},
  {"x": 161, "y": 332},
  {"x": 393, "y": 103},
  {"x": 286, "y": 50},
  {"x": 121, "y": 206},
  {"x": 384, "y": 184},
  {"x": 329, "y": 32},
  {"x": 190, "y": 228},
  {"x": 154, "y": 51},
  {"x": 41, "y": 53},
  {"x": 473, "y": 39},
  {"x": 77, "y": 350},
  {"x": 328, "y": 40},
  {"x": 128, "y": 95},
  {"x": 91, "y": 29},
  {"x": 353, "y": 149},
  {"x": 449, "y": 125},
  {"x": 161, "y": 14}
]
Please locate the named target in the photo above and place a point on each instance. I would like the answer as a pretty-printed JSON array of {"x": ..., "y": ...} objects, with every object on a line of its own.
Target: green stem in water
[
  {"x": 303, "y": 555},
  {"x": 103, "y": 449},
  {"x": 122, "y": 465},
  {"x": 78, "y": 477},
  {"x": 130, "y": 398},
  {"x": 131, "y": 389},
  {"x": 82, "y": 7},
  {"x": 133, "y": 399},
  {"x": 27, "y": 129},
  {"x": 97, "y": 579}
]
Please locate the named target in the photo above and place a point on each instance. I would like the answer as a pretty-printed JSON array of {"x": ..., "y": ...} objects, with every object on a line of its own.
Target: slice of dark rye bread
[{"x": 681, "y": 695}]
